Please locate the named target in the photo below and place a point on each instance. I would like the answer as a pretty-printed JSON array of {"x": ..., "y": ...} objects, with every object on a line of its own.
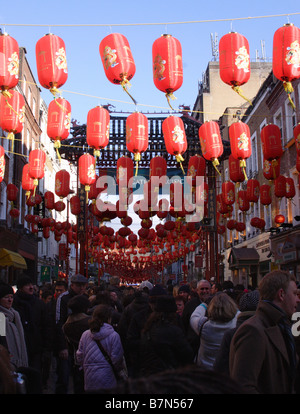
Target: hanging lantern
[
  {"x": 280, "y": 186},
  {"x": 158, "y": 168},
  {"x": 211, "y": 142},
  {"x": 234, "y": 61},
  {"x": 117, "y": 60},
  {"x": 253, "y": 190},
  {"x": 271, "y": 142},
  {"x": 228, "y": 192},
  {"x": 27, "y": 181},
  {"x": 75, "y": 205},
  {"x": 265, "y": 194},
  {"x": 97, "y": 129},
  {"x": 62, "y": 183},
  {"x": 137, "y": 135},
  {"x": 14, "y": 213},
  {"x": 124, "y": 170},
  {"x": 235, "y": 171},
  {"x": 59, "y": 206},
  {"x": 2, "y": 163},
  {"x": 86, "y": 170},
  {"x": 9, "y": 63},
  {"x": 51, "y": 61},
  {"x": 286, "y": 56},
  {"x": 37, "y": 159},
  {"x": 167, "y": 65},
  {"x": 175, "y": 137},
  {"x": 290, "y": 188},
  {"x": 243, "y": 202},
  {"x": 240, "y": 143},
  {"x": 49, "y": 200},
  {"x": 12, "y": 114},
  {"x": 279, "y": 219},
  {"x": 196, "y": 168},
  {"x": 296, "y": 133},
  {"x": 222, "y": 208},
  {"x": 271, "y": 169},
  {"x": 59, "y": 121},
  {"x": 12, "y": 192}
]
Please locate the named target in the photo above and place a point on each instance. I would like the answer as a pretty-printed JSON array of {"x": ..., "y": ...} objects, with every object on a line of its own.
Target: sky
[{"x": 83, "y": 24}]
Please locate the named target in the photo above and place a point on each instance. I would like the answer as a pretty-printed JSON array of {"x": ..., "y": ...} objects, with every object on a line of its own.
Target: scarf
[{"x": 15, "y": 337}]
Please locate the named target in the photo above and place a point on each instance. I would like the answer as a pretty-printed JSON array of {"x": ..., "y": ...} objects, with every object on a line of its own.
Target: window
[
  {"x": 34, "y": 107},
  {"x": 253, "y": 165},
  {"x": 291, "y": 119},
  {"x": 3, "y": 201},
  {"x": 278, "y": 121},
  {"x": 29, "y": 96},
  {"x": 264, "y": 123}
]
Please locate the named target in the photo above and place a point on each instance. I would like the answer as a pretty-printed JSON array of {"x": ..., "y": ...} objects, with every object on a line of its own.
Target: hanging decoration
[
  {"x": 117, "y": 60},
  {"x": 51, "y": 62},
  {"x": 280, "y": 187},
  {"x": 167, "y": 65},
  {"x": 37, "y": 159},
  {"x": 271, "y": 144},
  {"x": 286, "y": 57},
  {"x": 290, "y": 188},
  {"x": 196, "y": 168},
  {"x": 174, "y": 137},
  {"x": 49, "y": 200},
  {"x": 86, "y": 172},
  {"x": 158, "y": 169},
  {"x": 296, "y": 132},
  {"x": 2, "y": 163},
  {"x": 12, "y": 114},
  {"x": 240, "y": 143},
  {"x": 9, "y": 63},
  {"x": 59, "y": 122},
  {"x": 137, "y": 135},
  {"x": 228, "y": 192},
  {"x": 265, "y": 194},
  {"x": 75, "y": 205},
  {"x": 211, "y": 142},
  {"x": 252, "y": 190},
  {"x": 271, "y": 169},
  {"x": 62, "y": 183},
  {"x": 11, "y": 193},
  {"x": 27, "y": 181},
  {"x": 97, "y": 129},
  {"x": 234, "y": 61}
]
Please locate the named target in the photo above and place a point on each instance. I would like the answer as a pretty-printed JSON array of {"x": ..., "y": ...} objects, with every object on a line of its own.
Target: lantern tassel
[
  {"x": 243, "y": 166},
  {"x": 87, "y": 189},
  {"x": 125, "y": 83},
  {"x": 57, "y": 145},
  {"x": 54, "y": 91},
  {"x": 215, "y": 163},
  {"x": 137, "y": 158},
  {"x": 35, "y": 183},
  {"x": 179, "y": 159},
  {"x": 274, "y": 164},
  {"x": 168, "y": 96},
  {"x": 238, "y": 90},
  {"x": 288, "y": 87},
  {"x": 6, "y": 93},
  {"x": 11, "y": 136}
]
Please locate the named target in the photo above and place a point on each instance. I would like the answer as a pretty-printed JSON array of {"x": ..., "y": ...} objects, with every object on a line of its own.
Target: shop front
[{"x": 285, "y": 248}]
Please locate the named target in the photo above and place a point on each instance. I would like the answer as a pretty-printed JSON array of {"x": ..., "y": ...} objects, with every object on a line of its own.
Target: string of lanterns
[{"x": 119, "y": 67}]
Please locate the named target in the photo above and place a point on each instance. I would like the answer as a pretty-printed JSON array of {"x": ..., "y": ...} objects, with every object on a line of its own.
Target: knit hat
[
  {"x": 249, "y": 301},
  {"x": 165, "y": 304},
  {"x": 23, "y": 281},
  {"x": 5, "y": 289},
  {"x": 157, "y": 290}
]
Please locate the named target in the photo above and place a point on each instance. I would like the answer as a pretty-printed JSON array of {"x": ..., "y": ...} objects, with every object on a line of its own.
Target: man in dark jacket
[{"x": 262, "y": 352}]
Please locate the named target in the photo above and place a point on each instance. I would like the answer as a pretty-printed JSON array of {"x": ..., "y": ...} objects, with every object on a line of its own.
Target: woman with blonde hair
[{"x": 210, "y": 323}]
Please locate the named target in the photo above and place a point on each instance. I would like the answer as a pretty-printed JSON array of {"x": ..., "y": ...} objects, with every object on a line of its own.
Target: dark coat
[{"x": 259, "y": 359}]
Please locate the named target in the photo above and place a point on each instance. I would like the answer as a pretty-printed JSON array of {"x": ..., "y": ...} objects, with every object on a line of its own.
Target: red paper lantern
[
  {"x": 271, "y": 142},
  {"x": 167, "y": 65},
  {"x": 117, "y": 60},
  {"x": 296, "y": 132},
  {"x": 253, "y": 190},
  {"x": 59, "y": 121},
  {"x": 175, "y": 137},
  {"x": 290, "y": 188},
  {"x": 46, "y": 232},
  {"x": 265, "y": 194},
  {"x": 12, "y": 113},
  {"x": 298, "y": 163},
  {"x": 12, "y": 192},
  {"x": 59, "y": 206},
  {"x": 158, "y": 169},
  {"x": 231, "y": 224},
  {"x": 280, "y": 186},
  {"x": 222, "y": 208},
  {"x": 228, "y": 192},
  {"x": 271, "y": 169},
  {"x": 240, "y": 226},
  {"x": 124, "y": 170},
  {"x": 27, "y": 181},
  {"x": 75, "y": 205},
  {"x": 2, "y": 163},
  {"x": 243, "y": 202},
  {"x": 62, "y": 183},
  {"x": 86, "y": 170},
  {"x": 9, "y": 63},
  {"x": 49, "y": 200},
  {"x": 234, "y": 61},
  {"x": 97, "y": 129},
  {"x": 37, "y": 159},
  {"x": 240, "y": 143},
  {"x": 279, "y": 219},
  {"x": 286, "y": 57},
  {"x": 211, "y": 142},
  {"x": 51, "y": 62},
  {"x": 137, "y": 135},
  {"x": 235, "y": 171},
  {"x": 196, "y": 168},
  {"x": 14, "y": 212}
]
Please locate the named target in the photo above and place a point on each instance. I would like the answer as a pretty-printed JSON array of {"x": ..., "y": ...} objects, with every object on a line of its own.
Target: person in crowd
[
  {"x": 215, "y": 288},
  {"x": 75, "y": 325},
  {"x": 247, "y": 306},
  {"x": 184, "y": 291},
  {"x": 163, "y": 343},
  {"x": 180, "y": 303},
  {"x": 222, "y": 314},
  {"x": 98, "y": 372},
  {"x": 78, "y": 285},
  {"x": 15, "y": 339},
  {"x": 262, "y": 351}
]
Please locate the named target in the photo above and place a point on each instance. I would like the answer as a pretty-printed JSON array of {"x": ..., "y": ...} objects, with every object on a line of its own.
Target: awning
[
  {"x": 243, "y": 256},
  {"x": 10, "y": 258}
]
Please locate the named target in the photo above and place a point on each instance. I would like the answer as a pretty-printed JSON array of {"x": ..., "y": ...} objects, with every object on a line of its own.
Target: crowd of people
[{"x": 197, "y": 337}]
